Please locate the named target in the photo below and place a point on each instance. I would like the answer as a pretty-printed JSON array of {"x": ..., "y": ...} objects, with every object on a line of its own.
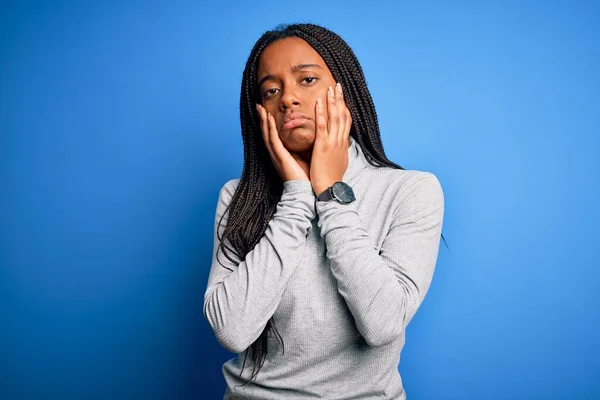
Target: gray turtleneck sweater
[{"x": 342, "y": 281}]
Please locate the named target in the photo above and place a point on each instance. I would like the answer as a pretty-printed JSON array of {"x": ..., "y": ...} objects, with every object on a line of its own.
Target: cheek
[
  {"x": 270, "y": 107},
  {"x": 274, "y": 111}
]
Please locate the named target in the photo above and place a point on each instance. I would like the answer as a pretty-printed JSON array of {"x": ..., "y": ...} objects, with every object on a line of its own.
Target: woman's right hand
[{"x": 289, "y": 165}]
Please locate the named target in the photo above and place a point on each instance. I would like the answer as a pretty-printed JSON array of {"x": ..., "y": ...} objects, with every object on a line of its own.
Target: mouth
[
  {"x": 294, "y": 120},
  {"x": 294, "y": 123}
]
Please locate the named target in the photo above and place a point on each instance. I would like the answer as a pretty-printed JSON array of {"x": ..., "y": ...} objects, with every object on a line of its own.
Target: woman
[{"x": 324, "y": 248}]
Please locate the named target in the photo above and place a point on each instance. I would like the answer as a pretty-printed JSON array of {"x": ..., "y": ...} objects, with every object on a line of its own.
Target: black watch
[{"x": 339, "y": 191}]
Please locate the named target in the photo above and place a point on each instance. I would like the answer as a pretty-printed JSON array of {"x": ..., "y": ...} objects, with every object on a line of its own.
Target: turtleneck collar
[{"x": 356, "y": 160}]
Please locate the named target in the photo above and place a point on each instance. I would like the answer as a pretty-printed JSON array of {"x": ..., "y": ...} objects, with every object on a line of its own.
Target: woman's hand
[
  {"x": 330, "y": 152},
  {"x": 289, "y": 165}
]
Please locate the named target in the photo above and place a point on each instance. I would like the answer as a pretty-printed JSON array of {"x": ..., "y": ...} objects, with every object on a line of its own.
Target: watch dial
[{"x": 343, "y": 192}]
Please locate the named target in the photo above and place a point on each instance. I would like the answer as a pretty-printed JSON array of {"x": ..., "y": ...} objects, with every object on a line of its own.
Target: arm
[
  {"x": 239, "y": 303},
  {"x": 383, "y": 291}
]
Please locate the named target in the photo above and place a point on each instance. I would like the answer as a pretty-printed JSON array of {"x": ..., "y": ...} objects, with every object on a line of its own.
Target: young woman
[{"x": 324, "y": 249}]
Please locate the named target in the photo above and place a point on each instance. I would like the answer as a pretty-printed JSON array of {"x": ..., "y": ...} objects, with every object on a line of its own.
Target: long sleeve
[
  {"x": 384, "y": 289},
  {"x": 239, "y": 302}
]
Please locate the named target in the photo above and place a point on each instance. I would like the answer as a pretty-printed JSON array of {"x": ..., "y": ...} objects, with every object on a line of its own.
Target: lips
[{"x": 294, "y": 120}]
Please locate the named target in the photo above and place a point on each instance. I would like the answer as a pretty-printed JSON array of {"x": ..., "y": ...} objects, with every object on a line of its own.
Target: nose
[{"x": 289, "y": 98}]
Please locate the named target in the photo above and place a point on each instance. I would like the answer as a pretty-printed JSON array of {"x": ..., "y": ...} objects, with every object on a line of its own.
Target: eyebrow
[{"x": 294, "y": 69}]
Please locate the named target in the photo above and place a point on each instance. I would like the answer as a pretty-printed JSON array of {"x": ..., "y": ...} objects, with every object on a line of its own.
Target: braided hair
[{"x": 260, "y": 186}]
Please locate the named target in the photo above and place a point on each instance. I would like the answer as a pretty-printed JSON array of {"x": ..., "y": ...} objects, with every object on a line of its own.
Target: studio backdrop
[{"x": 119, "y": 125}]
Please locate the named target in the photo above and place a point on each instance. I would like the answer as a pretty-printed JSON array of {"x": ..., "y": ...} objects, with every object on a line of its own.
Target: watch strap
[{"x": 326, "y": 195}]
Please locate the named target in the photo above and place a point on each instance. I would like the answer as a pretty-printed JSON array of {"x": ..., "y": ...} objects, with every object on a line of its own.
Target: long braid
[{"x": 260, "y": 187}]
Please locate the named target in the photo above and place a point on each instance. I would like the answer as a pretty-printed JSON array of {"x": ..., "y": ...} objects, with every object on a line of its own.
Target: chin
[{"x": 299, "y": 139}]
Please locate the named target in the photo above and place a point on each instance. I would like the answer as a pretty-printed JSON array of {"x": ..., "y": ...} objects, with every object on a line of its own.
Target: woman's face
[{"x": 291, "y": 76}]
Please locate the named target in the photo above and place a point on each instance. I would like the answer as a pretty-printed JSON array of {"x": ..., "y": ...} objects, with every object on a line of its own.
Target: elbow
[
  {"x": 382, "y": 338},
  {"x": 228, "y": 333},
  {"x": 386, "y": 331},
  {"x": 231, "y": 342},
  {"x": 388, "y": 325}
]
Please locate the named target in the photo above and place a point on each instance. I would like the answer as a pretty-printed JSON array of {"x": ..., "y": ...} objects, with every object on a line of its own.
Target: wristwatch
[{"x": 339, "y": 191}]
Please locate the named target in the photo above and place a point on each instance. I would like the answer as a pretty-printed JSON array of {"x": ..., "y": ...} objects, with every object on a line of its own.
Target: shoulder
[
  {"x": 412, "y": 187},
  {"x": 230, "y": 186},
  {"x": 421, "y": 193},
  {"x": 403, "y": 180},
  {"x": 227, "y": 191},
  {"x": 414, "y": 180}
]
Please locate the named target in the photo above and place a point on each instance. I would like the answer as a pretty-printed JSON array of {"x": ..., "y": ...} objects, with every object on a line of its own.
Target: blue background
[{"x": 119, "y": 124}]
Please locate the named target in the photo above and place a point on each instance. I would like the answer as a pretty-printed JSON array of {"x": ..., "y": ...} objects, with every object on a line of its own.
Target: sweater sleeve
[
  {"x": 240, "y": 300},
  {"x": 384, "y": 289}
]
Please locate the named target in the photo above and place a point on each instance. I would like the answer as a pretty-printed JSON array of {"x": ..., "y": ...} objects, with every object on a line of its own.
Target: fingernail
[
  {"x": 339, "y": 87},
  {"x": 330, "y": 91},
  {"x": 319, "y": 103}
]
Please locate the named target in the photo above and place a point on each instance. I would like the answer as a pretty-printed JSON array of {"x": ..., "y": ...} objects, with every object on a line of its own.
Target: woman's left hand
[{"x": 330, "y": 152}]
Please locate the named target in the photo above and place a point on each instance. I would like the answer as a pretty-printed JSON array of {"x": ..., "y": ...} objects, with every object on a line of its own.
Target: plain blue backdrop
[{"x": 119, "y": 124}]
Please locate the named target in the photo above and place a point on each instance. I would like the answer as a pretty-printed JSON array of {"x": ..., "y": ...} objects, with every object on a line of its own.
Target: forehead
[{"x": 283, "y": 54}]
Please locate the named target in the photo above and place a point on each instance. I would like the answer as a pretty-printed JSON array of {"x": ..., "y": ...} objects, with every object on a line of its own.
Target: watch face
[{"x": 343, "y": 192}]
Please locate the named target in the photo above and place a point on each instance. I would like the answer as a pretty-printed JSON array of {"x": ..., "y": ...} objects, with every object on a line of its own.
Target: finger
[
  {"x": 333, "y": 116},
  {"x": 274, "y": 139},
  {"x": 321, "y": 124},
  {"x": 265, "y": 131},
  {"x": 345, "y": 117},
  {"x": 263, "y": 121}
]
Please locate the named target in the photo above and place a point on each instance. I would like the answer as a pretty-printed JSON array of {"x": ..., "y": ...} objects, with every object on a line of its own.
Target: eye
[
  {"x": 310, "y": 79},
  {"x": 269, "y": 92}
]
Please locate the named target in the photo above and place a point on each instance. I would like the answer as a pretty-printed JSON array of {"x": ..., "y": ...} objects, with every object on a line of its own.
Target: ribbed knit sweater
[{"x": 342, "y": 281}]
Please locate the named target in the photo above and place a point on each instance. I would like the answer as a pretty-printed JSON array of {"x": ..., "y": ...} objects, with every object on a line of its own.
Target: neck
[{"x": 306, "y": 155}]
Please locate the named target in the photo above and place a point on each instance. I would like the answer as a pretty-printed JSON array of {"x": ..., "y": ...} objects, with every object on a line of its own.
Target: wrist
[{"x": 323, "y": 186}]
